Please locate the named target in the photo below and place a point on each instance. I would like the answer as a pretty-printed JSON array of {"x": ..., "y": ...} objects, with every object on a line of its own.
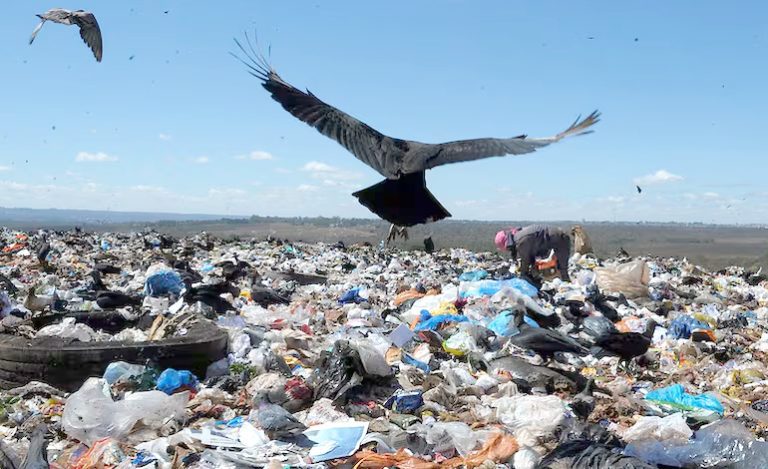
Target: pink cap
[{"x": 501, "y": 240}]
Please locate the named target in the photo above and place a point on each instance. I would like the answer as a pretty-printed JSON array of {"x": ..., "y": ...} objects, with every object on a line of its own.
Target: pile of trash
[{"x": 360, "y": 356}]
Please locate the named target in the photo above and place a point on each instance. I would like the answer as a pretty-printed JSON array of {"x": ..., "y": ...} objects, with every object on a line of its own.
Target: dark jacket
[{"x": 536, "y": 241}]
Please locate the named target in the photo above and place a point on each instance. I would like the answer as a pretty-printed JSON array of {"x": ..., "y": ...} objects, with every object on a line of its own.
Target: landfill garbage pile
[{"x": 320, "y": 355}]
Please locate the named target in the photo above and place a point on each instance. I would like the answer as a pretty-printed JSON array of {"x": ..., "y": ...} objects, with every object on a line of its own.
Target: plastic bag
[
  {"x": 171, "y": 381},
  {"x": 69, "y": 329},
  {"x": 539, "y": 415},
  {"x": 90, "y": 414},
  {"x": 117, "y": 371},
  {"x": 630, "y": 278},
  {"x": 682, "y": 326},
  {"x": 373, "y": 361},
  {"x": 449, "y": 435},
  {"x": 162, "y": 282},
  {"x": 725, "y": 443},
  {"x": 671, "y": 429},
  {"x": 676, "y": 396},
  {"x": 491, "y": 287},
  {"x": 432, "y": 323},
  {"x": 473, "y": 276}
]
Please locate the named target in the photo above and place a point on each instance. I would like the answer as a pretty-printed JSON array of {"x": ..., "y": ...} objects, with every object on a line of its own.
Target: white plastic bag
[
  {"x": 90, "y": 413},
  {"x": 630, "y": 278},
  {"x": 671, "y": 429}
]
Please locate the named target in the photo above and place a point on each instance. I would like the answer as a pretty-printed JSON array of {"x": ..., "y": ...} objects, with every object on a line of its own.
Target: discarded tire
[{"x": 66, "y": 364}]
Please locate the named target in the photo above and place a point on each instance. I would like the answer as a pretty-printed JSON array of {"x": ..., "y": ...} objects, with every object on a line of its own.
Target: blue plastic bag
[
  {"x": 171, "y": 380},
  {"x": 676, "y": 396},
  {"x": 405, "y": 402},
  {"x": 683, "y": 326},
  {"x": 352, "y": 296},
  {"x": 473, "y": 276},
  {"x": 432, "y": 323},
  {"x": 504, "y": 324},
  {"x": 163, "y": 283},
  {"x": 491, "y": 287},
  {"x": 409, "y": 360}
]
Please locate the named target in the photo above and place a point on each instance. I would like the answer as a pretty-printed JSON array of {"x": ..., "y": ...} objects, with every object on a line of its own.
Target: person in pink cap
[{"x": 526, "y": 244}]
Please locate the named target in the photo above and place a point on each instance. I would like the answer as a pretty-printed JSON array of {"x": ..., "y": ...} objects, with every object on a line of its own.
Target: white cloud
[
  {"x": 711, "y": 195},
  {"x": 202, "y": 160},
  {"x": 99, "y": 157},
  {"x": 327, "y": 172},
  {"x": 226, "y": 192},
  {"x": 143, "y": 188},
  {"x": 316, "y": 166},
  {"x": 307, "y": 188},
  {"x": 256, "y": 156},
  {"x": 661, "y": 176},
  {"x": 165, "y": 137},
  {"x": 4, "y": 168}
]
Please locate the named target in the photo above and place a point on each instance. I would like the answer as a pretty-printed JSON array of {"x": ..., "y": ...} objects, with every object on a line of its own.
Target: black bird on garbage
[
  {"x": 211, "y": 295},
  {"x": 264, "y": 297},
  {"x": 625, "y": 345},
  {"x": 402, "y": 198},
  {"x": 113, "y": 299},
  {"x": 584, "y": 402},
  {"x": 7, "y": 285},
  {"x": 544, "y": 342},
  {"x": 43, "y": 251},
  {"x": 276, "y": 422},
  {"x": 105, "y": 269}
]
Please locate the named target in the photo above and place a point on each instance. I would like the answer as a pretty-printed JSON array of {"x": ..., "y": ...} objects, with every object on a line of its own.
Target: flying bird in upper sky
[
  {"x": 402, "y": 198},
  {"x": 89, "y": 27},
  {"x": 639, "y": 190}
]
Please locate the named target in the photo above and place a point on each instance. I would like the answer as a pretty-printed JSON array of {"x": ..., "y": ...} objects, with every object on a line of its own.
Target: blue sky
[{"x": 181, "y": 126}]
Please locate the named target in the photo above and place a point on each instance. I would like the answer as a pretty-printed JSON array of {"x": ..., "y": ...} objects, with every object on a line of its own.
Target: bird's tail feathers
[{"x": 37, "y": 29}]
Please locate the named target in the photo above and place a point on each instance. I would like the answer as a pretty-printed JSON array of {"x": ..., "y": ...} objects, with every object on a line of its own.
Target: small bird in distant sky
[
  {"x": 89, "y": 27},
  {"x": 639, "y": 191}
]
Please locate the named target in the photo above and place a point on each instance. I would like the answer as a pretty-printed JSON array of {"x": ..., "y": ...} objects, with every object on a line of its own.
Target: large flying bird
[
  {"x": 89, "y": 27},
  {"x": 402, "y": 198}
]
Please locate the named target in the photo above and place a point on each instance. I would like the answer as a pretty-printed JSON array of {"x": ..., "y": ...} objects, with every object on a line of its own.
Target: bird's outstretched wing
[
  {"x": 475, "y": 149},
  {"x": 370, "y": 146},
  {"x": 90, "y": 32}
]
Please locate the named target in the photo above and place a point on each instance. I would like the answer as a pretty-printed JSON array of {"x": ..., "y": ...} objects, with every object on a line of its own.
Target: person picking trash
[{"x": 526, "y": 244}]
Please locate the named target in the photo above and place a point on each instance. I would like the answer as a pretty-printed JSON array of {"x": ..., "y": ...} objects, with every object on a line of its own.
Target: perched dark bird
[
  {"x": 276, "y": 422},
  {"x": 232, "y": 270},
  {"x": 639, "y": 190},
  {"x": 89, "y": 27},
  {"x": 625, "y": 345},
  {"x": 429, "y": 245},
  {"x": 264, "y": 297},
  {"x": 584, "y": 403},
  {"x": 544, "y": 342},
  {"x": 402, "y": 198},
  {"x": 112, "y": 299},
  {"x": 622, "y": 252},
  {"x": 105, "y": 269},
  {"x": 208, "y": 296},
  {"x": 98, "y": 283},
  {"x": 7, "y": 285},
  {"x": 43, "y": 251}
]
